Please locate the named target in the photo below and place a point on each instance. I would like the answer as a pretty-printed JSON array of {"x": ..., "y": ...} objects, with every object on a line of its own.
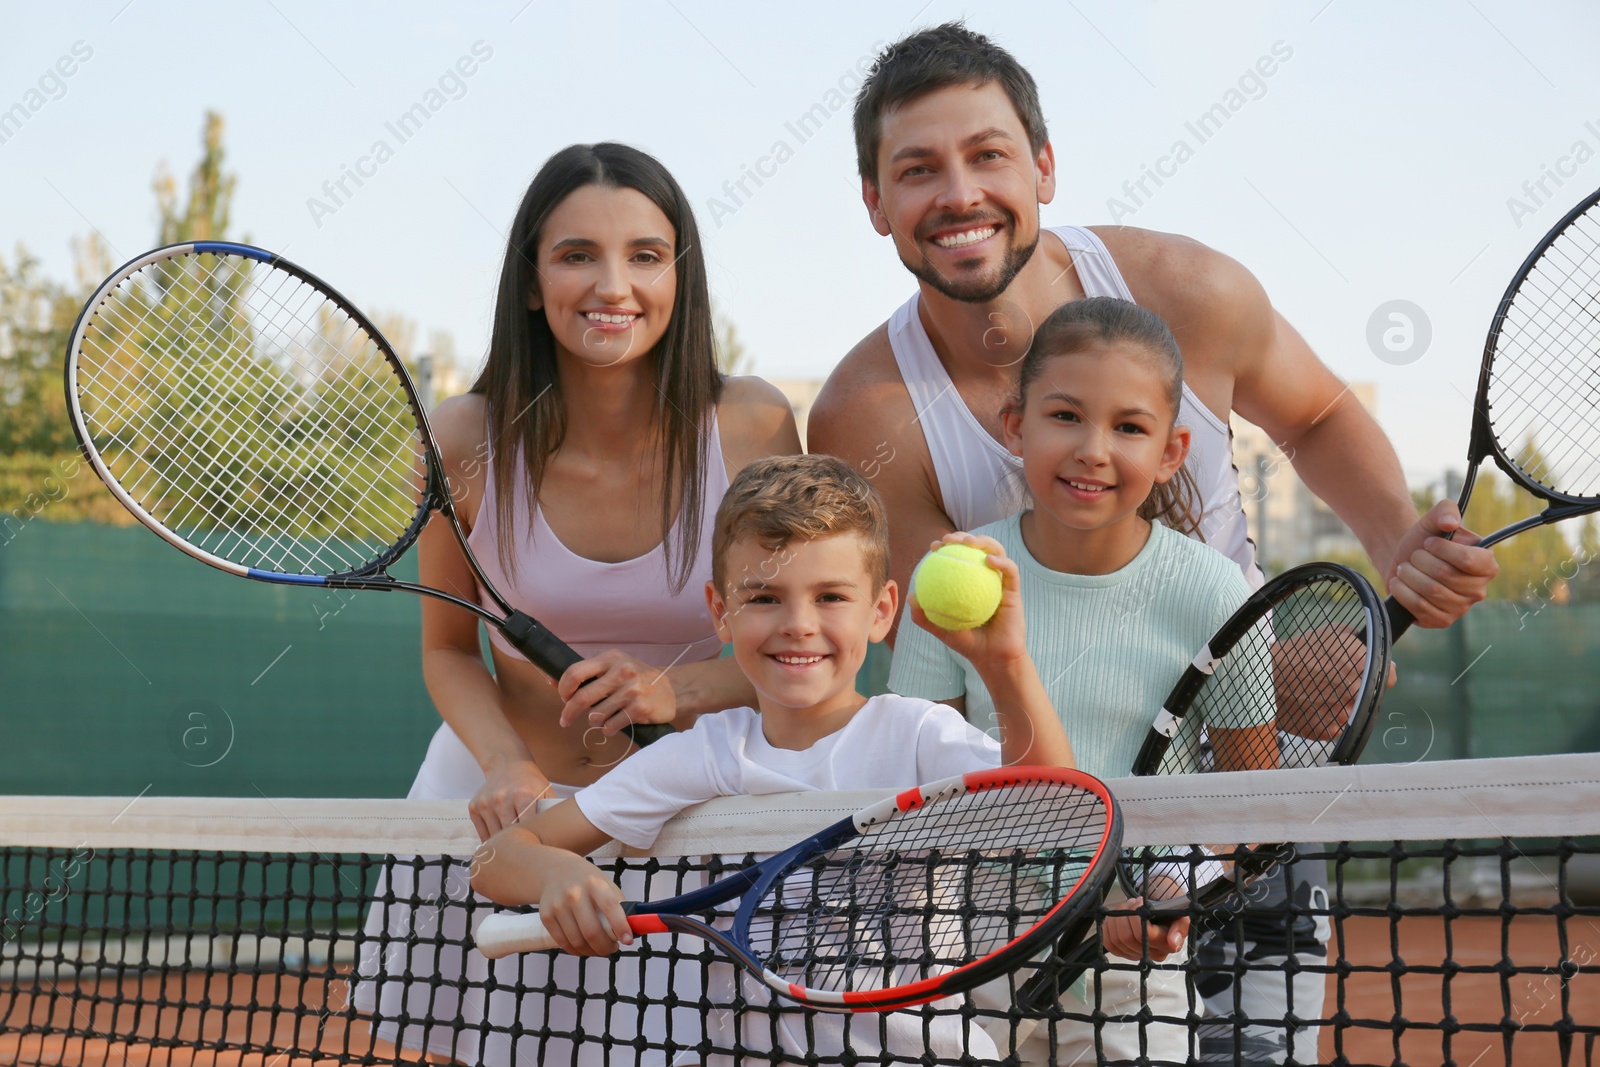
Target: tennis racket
[
  {"x": 1293, "y": 678},
  {"x": 1537, "y": 412},
  {"x": 252, "y": 417},
  {"x": 921, "y": 896}
]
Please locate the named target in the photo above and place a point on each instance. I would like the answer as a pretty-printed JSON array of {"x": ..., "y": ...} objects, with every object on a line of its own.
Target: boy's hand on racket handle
[
  {"x": 621, "y": 691},
  {"x": 509, "y": 791},
  {"x": 1001, "y": 640},
  {"x": 581, "y": 907},
  {"x": 1438, "y": 572},
  {"x": 1124, "y": 935}
]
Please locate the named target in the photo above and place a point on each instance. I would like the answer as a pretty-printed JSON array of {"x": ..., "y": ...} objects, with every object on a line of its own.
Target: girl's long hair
[
  {"x": 522, "y": 387},
  {"x": 1104, "y": 320}
]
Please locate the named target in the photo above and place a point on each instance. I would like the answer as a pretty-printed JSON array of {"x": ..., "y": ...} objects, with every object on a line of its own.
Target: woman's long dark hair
[
  {"x": 1105, "y": 320},
  {"x": 520, "y": 382}
]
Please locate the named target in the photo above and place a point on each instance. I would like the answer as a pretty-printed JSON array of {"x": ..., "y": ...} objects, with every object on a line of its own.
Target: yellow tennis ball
[{"x": 957, "y": 589}]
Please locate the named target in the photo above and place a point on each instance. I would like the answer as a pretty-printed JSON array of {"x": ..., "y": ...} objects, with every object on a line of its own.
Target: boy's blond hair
[{"x": 781, "y": 499}]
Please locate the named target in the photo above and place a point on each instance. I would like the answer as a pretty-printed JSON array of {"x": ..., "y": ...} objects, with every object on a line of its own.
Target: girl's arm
[
  {"x": 459, "y": 682},
  {"x": 1030, "y": 729}
]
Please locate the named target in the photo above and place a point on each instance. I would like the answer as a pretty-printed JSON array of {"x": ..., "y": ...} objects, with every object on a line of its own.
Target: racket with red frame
[{"x": 921, "y": 896}]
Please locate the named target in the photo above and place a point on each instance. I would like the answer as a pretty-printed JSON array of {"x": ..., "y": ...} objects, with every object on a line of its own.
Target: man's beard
[{"x": 977, "y": 290}]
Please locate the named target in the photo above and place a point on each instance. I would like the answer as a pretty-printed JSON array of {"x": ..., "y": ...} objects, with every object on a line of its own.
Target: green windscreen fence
[{"x": 127, "y": 667}]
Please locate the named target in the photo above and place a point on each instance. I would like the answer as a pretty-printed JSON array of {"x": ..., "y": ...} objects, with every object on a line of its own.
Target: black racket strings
[
  {"x": 284, "y": 362},
  {"x": 1309, "y": 647},
  {"x": 1544, "y": 385},
  {"x": 929, "y": 891}
]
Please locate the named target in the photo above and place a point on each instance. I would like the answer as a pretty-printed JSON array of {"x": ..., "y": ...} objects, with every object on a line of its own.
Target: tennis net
[{"x": 1461, "y": 918}]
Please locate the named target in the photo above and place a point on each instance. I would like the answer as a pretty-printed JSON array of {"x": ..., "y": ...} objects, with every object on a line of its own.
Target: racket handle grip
[
  {"x": 1400, "y": 619},
  {"x": 506, "y": 932},
  {"x": 553, "y": 656},
  {"x": 542, "y": 648}
]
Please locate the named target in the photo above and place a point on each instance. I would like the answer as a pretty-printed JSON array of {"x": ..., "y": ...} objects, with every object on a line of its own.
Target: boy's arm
[
  {"x": 1030, "y": 729},
  {"x": 540, "y": 861}
]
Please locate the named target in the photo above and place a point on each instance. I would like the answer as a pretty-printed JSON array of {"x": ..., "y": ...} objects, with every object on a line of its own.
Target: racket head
[
  {"x": 939, "y": 890},
  {"x": 250, "y": 415},
  {"x": 1537, "y": 411},
  {"x": 1306, "y": 654}
]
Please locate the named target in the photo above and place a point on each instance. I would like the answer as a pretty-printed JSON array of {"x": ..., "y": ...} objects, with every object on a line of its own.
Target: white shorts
[{"x": 407, "y": 947}]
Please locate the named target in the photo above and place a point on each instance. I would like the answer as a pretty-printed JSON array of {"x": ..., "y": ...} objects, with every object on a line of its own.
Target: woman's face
[{"x": 606, "y": 280}]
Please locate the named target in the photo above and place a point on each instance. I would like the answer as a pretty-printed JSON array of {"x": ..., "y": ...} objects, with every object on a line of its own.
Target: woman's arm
[{"x": 463, "y": 690}]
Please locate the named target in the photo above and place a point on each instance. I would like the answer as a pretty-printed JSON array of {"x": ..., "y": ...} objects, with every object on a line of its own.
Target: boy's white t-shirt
[{"x": 726, "y": 754}]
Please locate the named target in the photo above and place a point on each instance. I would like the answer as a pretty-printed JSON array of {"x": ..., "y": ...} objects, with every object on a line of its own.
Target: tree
[
  {"x": 36, "y": 319},
  {"x": 731, "y": 355},
  {"x": 36, "y": 316},
  {"x": 204, "y": 217},
  {"x": 1534, "y": 565}
]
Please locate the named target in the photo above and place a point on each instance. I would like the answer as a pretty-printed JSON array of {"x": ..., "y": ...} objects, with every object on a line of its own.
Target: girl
[
  {"x": 589, "y": 457},
  {"x": 1114, "y": 598}
]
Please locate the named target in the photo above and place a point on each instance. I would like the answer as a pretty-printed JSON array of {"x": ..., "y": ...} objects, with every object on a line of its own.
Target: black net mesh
[
  {"x": 1468, "y": 952},
  {"x": 933, "y": 889}
]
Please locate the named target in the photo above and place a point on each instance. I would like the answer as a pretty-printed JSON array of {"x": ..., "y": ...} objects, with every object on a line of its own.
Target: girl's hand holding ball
[{"x": 967, "y": 593}]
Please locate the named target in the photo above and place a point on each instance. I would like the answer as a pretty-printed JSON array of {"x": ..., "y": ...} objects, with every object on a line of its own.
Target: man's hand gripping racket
[{"x": 1537, "y": 410}]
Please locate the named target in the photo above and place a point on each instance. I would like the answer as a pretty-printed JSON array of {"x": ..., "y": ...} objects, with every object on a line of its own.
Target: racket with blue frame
[{"x": 921, "y": 896}]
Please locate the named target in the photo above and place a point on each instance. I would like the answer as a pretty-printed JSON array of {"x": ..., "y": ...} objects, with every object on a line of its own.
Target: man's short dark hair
[{"x": 938, "y": 58}]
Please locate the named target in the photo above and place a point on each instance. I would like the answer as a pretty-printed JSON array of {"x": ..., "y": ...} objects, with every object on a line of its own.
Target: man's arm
[
  {"x": 865, "y": 417},
  {"x": 1240, "y": 351}
]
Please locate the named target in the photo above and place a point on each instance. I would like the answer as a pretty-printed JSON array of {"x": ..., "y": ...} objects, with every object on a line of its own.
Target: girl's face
[
  {"x": 1095, "y": 435},
  {"x": 606, "y": 280}
]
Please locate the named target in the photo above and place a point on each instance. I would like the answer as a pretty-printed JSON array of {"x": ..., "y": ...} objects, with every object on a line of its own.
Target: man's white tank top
[{"x": 980, "y": 482}]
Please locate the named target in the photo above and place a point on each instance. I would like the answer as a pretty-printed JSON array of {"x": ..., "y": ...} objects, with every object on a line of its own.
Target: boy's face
[{"x": 800, "y": 618}]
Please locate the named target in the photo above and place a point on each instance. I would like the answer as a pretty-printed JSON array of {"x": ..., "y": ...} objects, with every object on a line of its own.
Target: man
[{"x": 955, "y": 162}]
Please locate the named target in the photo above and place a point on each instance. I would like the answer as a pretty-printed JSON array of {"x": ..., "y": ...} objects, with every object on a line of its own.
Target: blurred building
[{"x": 1288, "y": 524}]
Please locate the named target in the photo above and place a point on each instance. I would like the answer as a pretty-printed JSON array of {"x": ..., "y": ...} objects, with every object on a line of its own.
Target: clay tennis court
[{"x": 1388, "y": 1028}]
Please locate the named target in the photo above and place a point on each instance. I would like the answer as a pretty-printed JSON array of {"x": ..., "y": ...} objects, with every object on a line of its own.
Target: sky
[{"x": 1409, "y": 153}]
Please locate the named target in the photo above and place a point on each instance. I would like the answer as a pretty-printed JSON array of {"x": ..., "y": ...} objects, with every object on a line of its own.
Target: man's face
[{"x": 959, "y": 190}]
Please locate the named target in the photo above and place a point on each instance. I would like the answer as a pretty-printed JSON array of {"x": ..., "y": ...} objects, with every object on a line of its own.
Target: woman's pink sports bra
[{"x": 595, "y": 606}]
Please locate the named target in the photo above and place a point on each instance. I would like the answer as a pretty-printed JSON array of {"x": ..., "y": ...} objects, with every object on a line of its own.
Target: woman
[{"x": 588, "y": 460}]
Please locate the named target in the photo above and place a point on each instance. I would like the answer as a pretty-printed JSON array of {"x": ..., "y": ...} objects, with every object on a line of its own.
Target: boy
[{"x": 800, "y": 586}]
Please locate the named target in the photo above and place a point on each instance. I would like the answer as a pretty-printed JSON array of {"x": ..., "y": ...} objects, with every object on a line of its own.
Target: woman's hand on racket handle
[
  {"x": 1124, "y": 935},
  {"x": 1001, "y": 640},
  {"x": 1438, "y": 572},
  {"x": 509, "y": 791},
  {"x": 581, "y": 907},
  {"x": 621, "y": 691}
]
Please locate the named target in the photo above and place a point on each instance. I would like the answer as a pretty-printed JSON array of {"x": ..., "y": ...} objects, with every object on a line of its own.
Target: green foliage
[
  {"x": 58, "y": 487},
  {"x": 731, "y": 355},
  {"x": 1534, "y": 565},
  {"x": 204, "y": 216},
  {"x": 1358, "y": 562},
  {"x": 36, "y": 316}
]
